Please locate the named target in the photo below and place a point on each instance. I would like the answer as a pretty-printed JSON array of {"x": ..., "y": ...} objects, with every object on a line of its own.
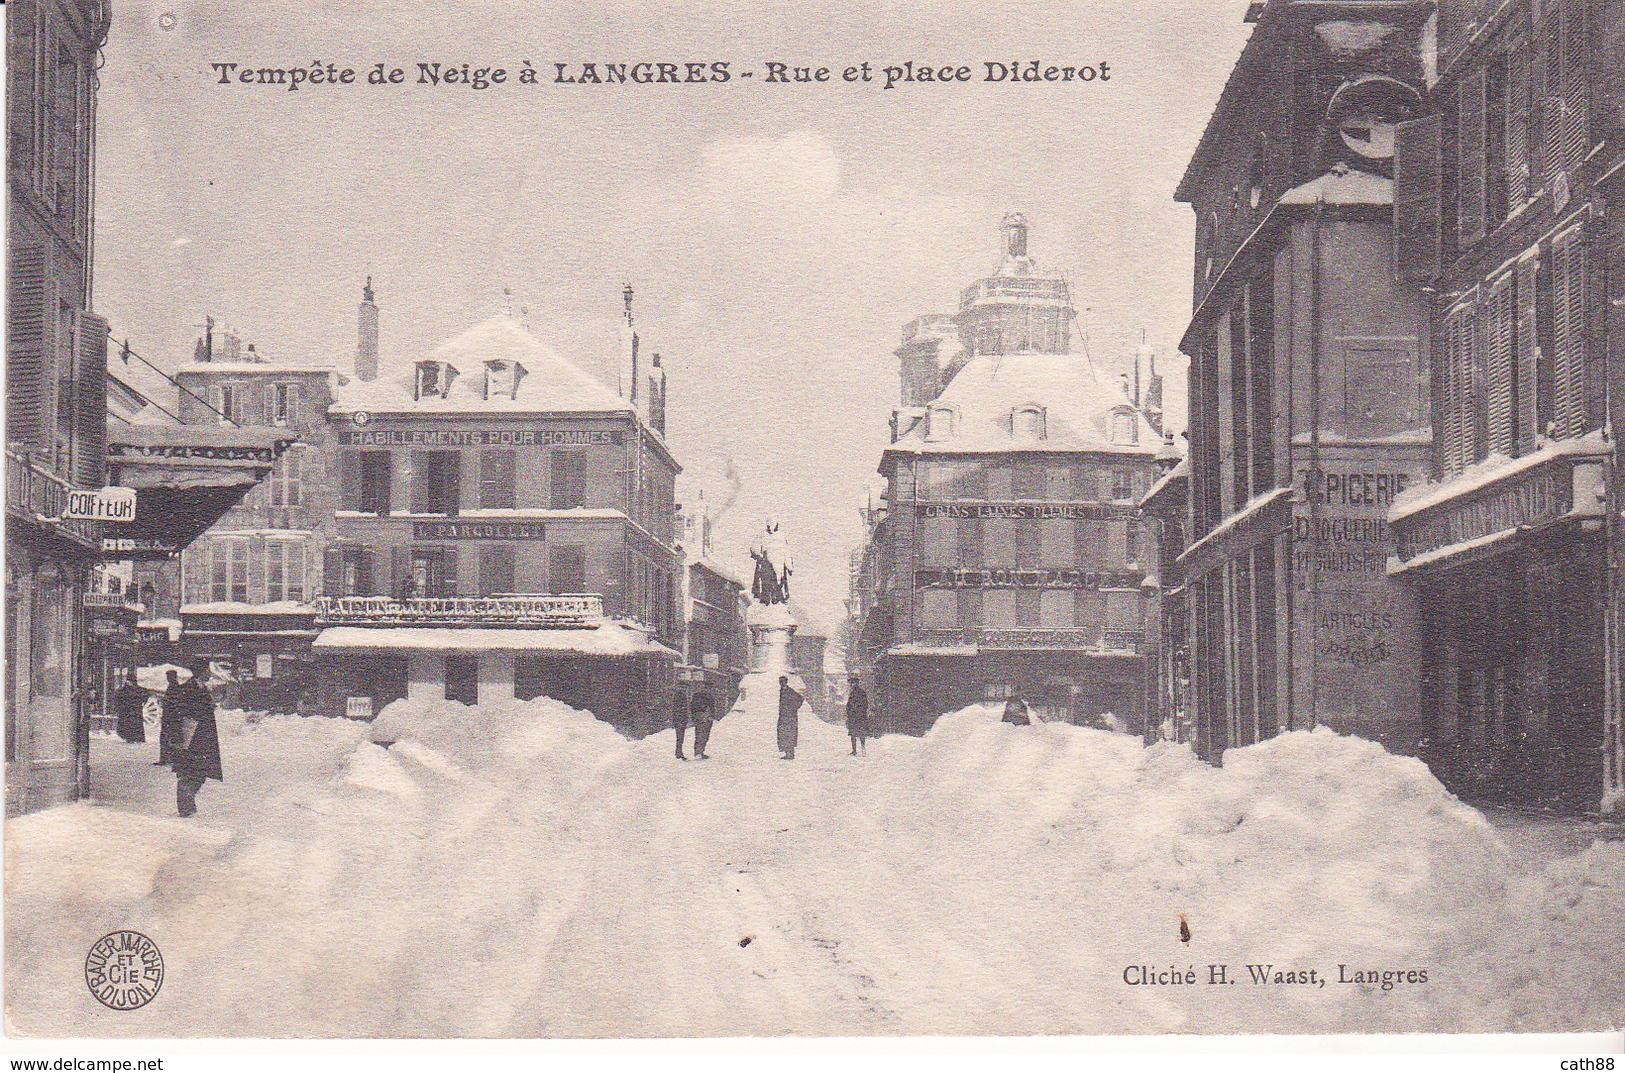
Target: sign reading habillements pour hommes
[{"x": 481, "y": 437}]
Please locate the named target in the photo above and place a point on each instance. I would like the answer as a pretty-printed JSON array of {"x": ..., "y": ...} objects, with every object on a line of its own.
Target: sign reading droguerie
[
  {"x": 481, "y": 437},
  {"x": 478, "y": 530}
]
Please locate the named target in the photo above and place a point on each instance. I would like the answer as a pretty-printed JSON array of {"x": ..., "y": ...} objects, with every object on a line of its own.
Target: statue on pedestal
[{"x": 771, "y": 583}]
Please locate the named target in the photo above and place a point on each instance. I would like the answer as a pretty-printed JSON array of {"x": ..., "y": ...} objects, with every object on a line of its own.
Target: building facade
[
  {"x": 1310, "y": 387},
  {"x": 505, "y": 527},
  {"x": 56, "y": 353},
  {"x": 716, "y": 646},
  {"x": 1513, "y": 549},
  {"x": 1006, "y": 558}
]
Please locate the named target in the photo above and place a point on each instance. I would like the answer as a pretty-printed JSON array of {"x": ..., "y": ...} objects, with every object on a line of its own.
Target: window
[
  {"x": 436, "y": 482},
  {"x": 1116, "y": 545},
  {"x": 569, "y": 489},
  {"x": 497, "y": 480},
  {"x": 1060, "y": 547},
  {"x": 999, "y": 535},
  {"x": 228, "y": 571},
  {"x": 1125, "y": 428},
  {"x": 433, "y": 378},
  {"x": 284, "y": 570},
  {"x": 1122, "y": 486},
  {"x": 1459, "y": 440},
  {"x": 1500, "y": 314},
  {"x": 1568, "y": 334},
  {"x": 1055, "y": 609},
  {"x": 502, "y": 378},
  {"x": 286, "y": 480},
  {"x": 229, "y": 401},
  {"x": 1470, "y": 158},
  {"x": 939, "y": 609},
  {"x": 1029, "y": 543},
  {"x": 496, "y": 569},
  {"x": 939, "y": 423},
  {"x": 999, "y": 608},
  {"x": 1027, "y": 423},
  {"x": 62, "y": 179},
  {"x": 939, "y": 542},
  {"x": 374, "y": 491},
  {"x": 280, "y": 403},
  {"x": 566, "y": 568}
]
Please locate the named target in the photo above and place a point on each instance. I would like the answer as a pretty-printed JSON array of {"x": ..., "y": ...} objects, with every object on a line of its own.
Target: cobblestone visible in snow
[{"x": 524, "y": 870}]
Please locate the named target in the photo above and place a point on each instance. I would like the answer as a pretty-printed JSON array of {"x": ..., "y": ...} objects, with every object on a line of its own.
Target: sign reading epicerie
[{"x": 481, "y": 437}]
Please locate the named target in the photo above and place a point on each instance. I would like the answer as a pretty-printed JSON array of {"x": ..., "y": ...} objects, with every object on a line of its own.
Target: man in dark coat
[
  {"x": 679, "y": 723},
  {"x": 1015, "y": 711},
  {"x": 198, "y": 757},
  {"x": 702, "y": 711},
  {"x": 128, "y": 702},
  {"x": 169, "y": 720},
  {"x": 857, "y": 716},
  {"x": 789, "y": 718}
]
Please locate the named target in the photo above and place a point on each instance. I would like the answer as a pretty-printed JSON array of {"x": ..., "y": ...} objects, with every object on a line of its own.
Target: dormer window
[
  {"x": 502, "y": 378},
  {"x": 939, "y": 423},
  {"x": 1125, "y": 427},
  {"x": 433, "y": 378},
  {"x": 1027, "y": 422}
]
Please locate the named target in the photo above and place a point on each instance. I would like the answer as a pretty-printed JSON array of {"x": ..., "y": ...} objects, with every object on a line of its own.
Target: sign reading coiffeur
[{"x": 111, "y": 504}]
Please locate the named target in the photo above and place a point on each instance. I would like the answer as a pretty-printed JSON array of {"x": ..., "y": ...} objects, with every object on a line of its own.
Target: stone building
[
  {"x": 1510, "y": 198},
  {"x": 1007, "y": 557},
  {"x": 505, "y": 527},
  {"x": 1310, "y": 389}
]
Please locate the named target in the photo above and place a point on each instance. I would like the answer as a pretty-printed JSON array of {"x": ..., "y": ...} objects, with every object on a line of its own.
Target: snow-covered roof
[
  {"x": 250, "y": 368},
  {"x": 1078, "y": 408},
  {"x": 609, "y": 639},
  {"x": 1181, "y": 472},
  {"x": 551, "y": 384}
]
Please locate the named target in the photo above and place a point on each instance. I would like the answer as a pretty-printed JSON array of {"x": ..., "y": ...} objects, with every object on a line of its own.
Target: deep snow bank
[{"x": 525, "y": 870}]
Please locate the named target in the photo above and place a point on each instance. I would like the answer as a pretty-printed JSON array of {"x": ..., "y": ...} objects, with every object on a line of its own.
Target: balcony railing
[
  {"x": 572, "y": 611},
  {"x": 41, "y": 497}
]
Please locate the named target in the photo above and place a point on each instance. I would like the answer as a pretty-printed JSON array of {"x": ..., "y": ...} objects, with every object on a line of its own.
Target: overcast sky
[{"x": 778, "y": 236}]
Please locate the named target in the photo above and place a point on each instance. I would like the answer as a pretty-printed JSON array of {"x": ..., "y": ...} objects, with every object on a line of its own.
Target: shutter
[
  {"x": 350, "y": 479},
  {"x": 1568, "y": 333},
  {"x": 1500, "y": 317},
  {"x": 1528, "y": 347},
  {"x": 90, "y": 417},
  {"x": 420, "y": 482},
  {"x": 1469, "y": 379},
  {"x": 30, "y": 348},
  {"x": 400, "y": 570},
  {"x": 1572, "y": 136},
  {"x": 269, "y": 399},
  {"x": 364, "y": 572},
  {"x": 1416, "y": 199},
  {"x": 1551, "y": 90},
  {"x": 496, "y": 569},
  {"x": 449, "y": 556},
  {"x": 1470, "y": 185},
  {"x": 333, "y": 570},
  {"x": 1517, "y": 125}
]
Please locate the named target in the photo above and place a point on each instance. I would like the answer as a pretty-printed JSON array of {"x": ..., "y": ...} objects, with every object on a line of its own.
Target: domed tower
[{"x": 1016, "y": 309}]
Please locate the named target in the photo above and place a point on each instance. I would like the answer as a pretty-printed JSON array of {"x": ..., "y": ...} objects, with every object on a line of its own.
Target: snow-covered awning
[{"x": 612, "y": 639}]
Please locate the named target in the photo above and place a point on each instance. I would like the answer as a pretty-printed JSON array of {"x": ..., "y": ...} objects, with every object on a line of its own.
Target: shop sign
[
  {"x": 109, "y": 627},
  {"x": 1095, "y": 512},
  {"x": 1001, "y": 578},
  {"x": 142, "y": 547},
  {"x": 481, "y": 437},
  {"x": 111, "y": 504},
  {"x": 358, "y": 707},
  {"x": 478, "y": 530},
  {"x": 691, "y": 675},
  {"x": 1543, "y": 496}
]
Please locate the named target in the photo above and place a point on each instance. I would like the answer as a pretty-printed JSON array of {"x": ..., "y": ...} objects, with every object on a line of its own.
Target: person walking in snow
[
  {"x": 679, "y": 723},
  {"x": 1015, "y": 711},
  {"x": 857, "y": 716},
  {"x": 128, "y": 703},
  {"x": 789, "y": 718},
  {"x": 198, "y": 748},
  {"x": 702, "y": 711},
  {"x": 169, "y": 720}
]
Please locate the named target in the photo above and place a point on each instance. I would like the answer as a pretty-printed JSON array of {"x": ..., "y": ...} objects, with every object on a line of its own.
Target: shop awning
[
  {"x": 185, "y": 477},
  {"x": 611, "y": 639}
]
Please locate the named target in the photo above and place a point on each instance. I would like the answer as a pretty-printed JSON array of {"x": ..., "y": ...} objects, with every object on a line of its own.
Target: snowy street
[{"x": 529, "y": 872}]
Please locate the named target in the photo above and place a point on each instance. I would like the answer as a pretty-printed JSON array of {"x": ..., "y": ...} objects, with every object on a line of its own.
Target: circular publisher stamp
[{"x": 124, "y": 970}]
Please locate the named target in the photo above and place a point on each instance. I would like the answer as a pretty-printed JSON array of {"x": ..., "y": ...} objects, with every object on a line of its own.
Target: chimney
[
  {"x": 366, "y": 354},
  {"x": 657, "y": 397},
  {"x": 630, "y": 341}
]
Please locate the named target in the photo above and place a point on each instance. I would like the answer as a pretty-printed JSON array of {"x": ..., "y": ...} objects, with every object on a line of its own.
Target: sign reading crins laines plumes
[
  {"x": 481, "y": 437},
  {"x": 1096, "y": 512},
  {"x": 998, "y": 578}
]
